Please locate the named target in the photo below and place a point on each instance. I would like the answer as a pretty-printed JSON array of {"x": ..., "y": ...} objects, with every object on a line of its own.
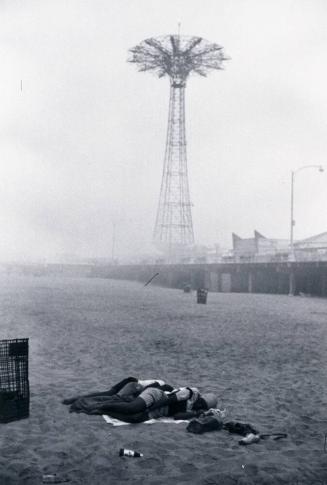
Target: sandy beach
[{"x": 264, "y": 355}]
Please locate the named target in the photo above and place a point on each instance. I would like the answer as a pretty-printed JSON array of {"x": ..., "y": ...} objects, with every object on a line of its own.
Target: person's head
[
  {"x": 166, "y": 387},
  {"x": 205, "y": 401}
]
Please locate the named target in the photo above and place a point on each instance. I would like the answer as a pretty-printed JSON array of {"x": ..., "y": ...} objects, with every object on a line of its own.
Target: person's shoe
[
  {"x": 69, "y": 401},
  {"x": 249, "y": 439}
]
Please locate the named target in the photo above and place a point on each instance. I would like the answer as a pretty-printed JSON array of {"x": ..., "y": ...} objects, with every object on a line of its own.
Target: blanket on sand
[{"x": 117, "y": 422}]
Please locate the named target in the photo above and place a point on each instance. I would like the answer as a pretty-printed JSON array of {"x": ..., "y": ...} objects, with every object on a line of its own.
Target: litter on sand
[
  {"x": 131, "y": 453},
  {"x": 54, "y": 478},
  {"x": 214, "y": 422}
]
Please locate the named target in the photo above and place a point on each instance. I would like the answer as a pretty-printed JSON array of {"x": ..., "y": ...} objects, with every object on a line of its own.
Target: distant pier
[
  {"x": 283, "y": 278},
  {"x": 289, "y": 278}
]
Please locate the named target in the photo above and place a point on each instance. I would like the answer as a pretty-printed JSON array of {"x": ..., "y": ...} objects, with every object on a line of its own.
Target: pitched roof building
[
  {"x": 259, "y": 245},
  {"x": 314, "y": 242}
]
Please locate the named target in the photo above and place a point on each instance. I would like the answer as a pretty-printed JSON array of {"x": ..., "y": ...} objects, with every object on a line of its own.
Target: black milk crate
[{"x": 14, "y": 384}]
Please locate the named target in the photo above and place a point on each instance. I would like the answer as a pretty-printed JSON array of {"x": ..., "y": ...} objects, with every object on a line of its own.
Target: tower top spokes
[{"x": 177, "y": 56}]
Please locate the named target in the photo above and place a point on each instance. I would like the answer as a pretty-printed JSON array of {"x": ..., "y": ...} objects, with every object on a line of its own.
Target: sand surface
[{"x": 264, "y": 355}]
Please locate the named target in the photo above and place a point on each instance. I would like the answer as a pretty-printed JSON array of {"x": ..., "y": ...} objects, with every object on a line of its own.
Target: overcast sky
[{"x": 82, "y": 132}]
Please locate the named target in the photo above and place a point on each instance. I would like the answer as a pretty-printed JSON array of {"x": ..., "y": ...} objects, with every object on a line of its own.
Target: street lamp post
[
  {"x": 113, "y": 243},
  {"x": 293, "y": 173}
]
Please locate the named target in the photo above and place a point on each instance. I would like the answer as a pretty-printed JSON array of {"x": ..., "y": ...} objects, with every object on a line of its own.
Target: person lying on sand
[
  {"x": 182, "y": 403},
  {"x": 124, "y": 391},
  {"x": 152, "y": 403}
]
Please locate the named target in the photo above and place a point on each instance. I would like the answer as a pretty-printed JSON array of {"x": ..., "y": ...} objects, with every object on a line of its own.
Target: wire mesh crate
[
  {"x": 14, "y": 384},
  {"x": 201, "y": 295}
]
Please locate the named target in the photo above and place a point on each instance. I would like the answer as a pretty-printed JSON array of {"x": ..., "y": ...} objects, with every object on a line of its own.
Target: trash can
[
  {"x": 201, "y": 295},
  {"x": 187, "y": 288},
  {"x": 14, "y": 384}
]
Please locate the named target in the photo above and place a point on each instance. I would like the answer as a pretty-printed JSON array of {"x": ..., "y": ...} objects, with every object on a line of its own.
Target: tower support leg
[{"x": 173, "y": 229}]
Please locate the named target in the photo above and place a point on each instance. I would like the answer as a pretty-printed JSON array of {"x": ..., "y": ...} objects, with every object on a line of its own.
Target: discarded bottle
[
  {"x": 249, "y": 439},
  {"x": 54, "y": 478},
  {"x": 124, "y": 452}
]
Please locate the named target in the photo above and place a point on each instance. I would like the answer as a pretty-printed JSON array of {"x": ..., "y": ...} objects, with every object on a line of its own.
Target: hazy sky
[{"x": 82, "y": 133}]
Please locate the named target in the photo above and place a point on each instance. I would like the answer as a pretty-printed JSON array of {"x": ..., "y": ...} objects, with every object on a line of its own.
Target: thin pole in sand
[{"x": 146, "y": 284}]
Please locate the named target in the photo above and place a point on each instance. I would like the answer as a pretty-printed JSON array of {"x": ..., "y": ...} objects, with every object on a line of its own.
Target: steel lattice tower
[{"x": 177, "y": 57}]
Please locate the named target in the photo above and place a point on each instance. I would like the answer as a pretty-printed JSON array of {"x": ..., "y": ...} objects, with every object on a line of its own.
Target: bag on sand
[
  {"x": 240, "y": 428},
  {"x": 202, "y": 425}
]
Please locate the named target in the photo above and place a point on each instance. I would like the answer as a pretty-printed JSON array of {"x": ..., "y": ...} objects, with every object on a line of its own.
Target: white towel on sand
[{"x": 117, "y": 422}]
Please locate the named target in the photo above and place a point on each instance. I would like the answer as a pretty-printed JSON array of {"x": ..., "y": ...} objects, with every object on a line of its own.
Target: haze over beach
[
  {"x": 83, "y": 133},
  {"x": 87, "y": 300}
]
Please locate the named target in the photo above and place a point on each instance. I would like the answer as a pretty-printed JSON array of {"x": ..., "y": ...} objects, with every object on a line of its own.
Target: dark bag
[
  {"x": 202, "y": 425},
  {"x": 239, "y": 428}
]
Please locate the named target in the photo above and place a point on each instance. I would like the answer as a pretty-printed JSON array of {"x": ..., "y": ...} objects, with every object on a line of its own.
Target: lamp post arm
[
  {"x": 293, "y": 173},
  {"x": 307, "y": 166}
]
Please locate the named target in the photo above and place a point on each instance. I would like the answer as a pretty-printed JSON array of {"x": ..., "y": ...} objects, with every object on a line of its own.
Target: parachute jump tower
[{"x": 177, "y": 57}]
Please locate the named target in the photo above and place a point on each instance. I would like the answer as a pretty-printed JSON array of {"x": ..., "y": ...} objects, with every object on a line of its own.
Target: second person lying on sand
[
  {"x": 135, "y": 401},
  {"x": 152, "y": 402},
  {"x": 125, "y": 390}
]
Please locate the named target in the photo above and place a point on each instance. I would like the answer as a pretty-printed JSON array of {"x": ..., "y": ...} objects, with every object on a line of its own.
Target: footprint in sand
[
  {"x": 299, "y": 442},
  {"x": 29, "y": 474},
  {"x": 219, "y": 479},
  {"x": 251, "y": 469},
  {"x": 149, "y": 463},
  {"x": 189, "y": 468},
  {"x": 247, "y": 481},
  {"x": 289, "y": 452},
  {"x": 270, "y": 470},
  {"x": 205, "y": 459}
]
